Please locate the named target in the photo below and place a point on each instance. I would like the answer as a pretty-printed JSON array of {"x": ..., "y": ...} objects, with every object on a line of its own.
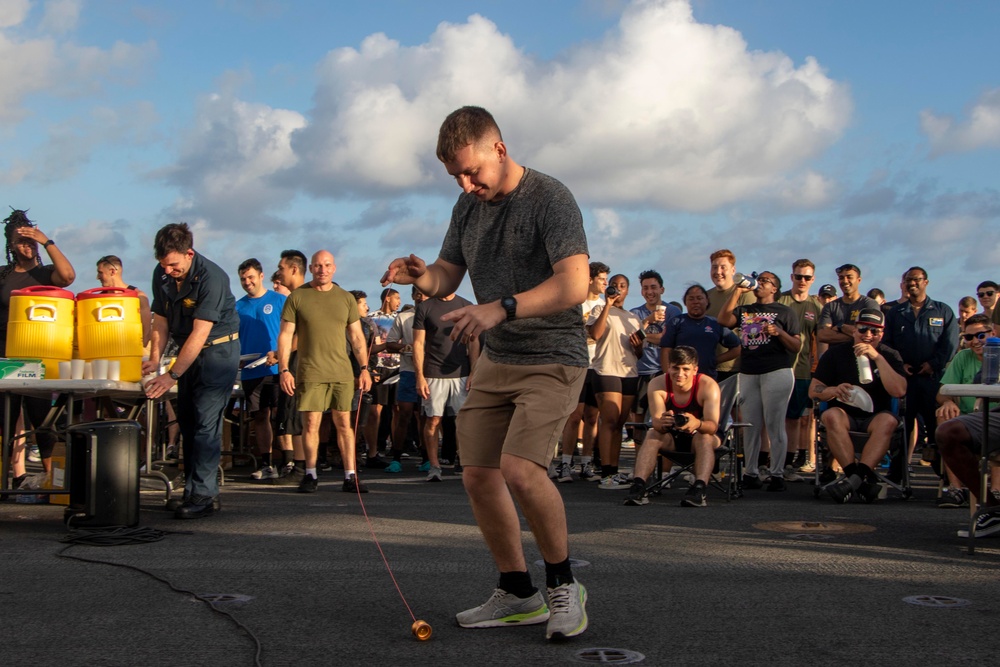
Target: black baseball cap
[
  {"x": 828, "y": 290},
  {"x": 871, "y": 317}
]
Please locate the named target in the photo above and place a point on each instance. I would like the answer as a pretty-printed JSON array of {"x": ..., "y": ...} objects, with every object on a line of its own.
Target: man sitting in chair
[
  {"x": 685, "y": 408},
  {"x": 836, "y": 381}
]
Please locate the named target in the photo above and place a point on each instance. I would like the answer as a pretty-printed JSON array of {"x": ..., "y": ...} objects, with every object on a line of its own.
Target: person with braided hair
[{"x": 24, "y": 268}]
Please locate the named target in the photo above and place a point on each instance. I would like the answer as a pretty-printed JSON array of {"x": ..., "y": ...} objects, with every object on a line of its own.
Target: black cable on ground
[{"x": 112, "y": 536}]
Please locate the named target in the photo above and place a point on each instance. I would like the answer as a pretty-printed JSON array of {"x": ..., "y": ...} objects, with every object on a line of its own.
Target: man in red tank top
[{"x": 684, "y": 405}]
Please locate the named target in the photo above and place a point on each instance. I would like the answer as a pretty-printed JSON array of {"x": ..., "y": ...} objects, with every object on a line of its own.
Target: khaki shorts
[
  {"x": 519, "y": 410},
  {"x": 323, "y": 396}
]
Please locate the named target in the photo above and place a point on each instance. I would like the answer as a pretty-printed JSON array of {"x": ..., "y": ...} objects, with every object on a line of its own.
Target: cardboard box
[
  {"x": 56, "y": 479},
  {"x": 21, "y": 369}
]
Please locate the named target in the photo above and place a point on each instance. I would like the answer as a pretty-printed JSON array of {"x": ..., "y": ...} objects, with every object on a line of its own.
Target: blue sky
[{"x": 847, "y": 131}]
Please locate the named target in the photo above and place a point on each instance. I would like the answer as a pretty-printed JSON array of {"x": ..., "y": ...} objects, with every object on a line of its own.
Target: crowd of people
[{"x": 497, "y": 388}]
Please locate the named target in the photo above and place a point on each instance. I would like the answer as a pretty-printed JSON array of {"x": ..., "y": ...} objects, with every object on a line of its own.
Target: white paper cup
[
  {"x": 77, "y": 367},
  {"x": 100, "y": 369},
  {"x": 88, "y": 370},
  {"x": 114, "y": 370},
  {"x": 65, "y": 370},
  {"x": 661, "y": 308}
]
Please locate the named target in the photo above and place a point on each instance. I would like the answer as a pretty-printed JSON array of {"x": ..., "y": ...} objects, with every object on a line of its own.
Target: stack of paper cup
[
  {"x": 65, "y": 370},
  {"x": 100, "y": 369},
  {"x": 114, "y": 369},
  {"x": 77, "y": 368}
]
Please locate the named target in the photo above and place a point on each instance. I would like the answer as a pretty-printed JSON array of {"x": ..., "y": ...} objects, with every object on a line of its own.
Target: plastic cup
[
  {"x": 114, "y": 370},
  {"x": 65, "y": 370},
  {"x": 100, "y": 367},
  {"x": 88, "y": 370},
  {"x": 77, "y": 367}
]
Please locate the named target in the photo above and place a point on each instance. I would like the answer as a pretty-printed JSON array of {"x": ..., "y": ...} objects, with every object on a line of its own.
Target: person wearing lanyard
[{"x": 193, "y": 305}]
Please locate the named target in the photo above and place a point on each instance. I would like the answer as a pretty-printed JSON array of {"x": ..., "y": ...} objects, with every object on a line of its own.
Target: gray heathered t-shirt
[{"x": 510, "y": 247}]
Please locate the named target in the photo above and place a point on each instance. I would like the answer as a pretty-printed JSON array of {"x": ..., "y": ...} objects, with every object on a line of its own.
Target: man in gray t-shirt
[{"x": 519, "y": 235}]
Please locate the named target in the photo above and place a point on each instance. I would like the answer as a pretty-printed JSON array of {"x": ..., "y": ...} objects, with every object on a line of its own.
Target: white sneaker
[
  {"x": 265, "y": 472},
  {"x": 616, "y": 481},
  {"x": 567, "y": 611},
  {"x": 588, "y": 474},
  {"x": 33, "y": 454},
  {"x": 504, "y": 609},
  {"x": 434, "y": 475},
  {"x": 564, "y": 472}
]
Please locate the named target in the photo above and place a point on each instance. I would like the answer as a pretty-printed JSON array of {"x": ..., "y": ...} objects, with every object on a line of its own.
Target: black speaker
[{"x": 102, "y": 459}]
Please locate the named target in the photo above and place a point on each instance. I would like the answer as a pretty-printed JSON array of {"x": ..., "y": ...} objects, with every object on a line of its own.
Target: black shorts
[
  {"x": 604, "y": 384},
  {"x": 261, "y": 393},
  {"x": 799, "y": 401},
  {"x": 289, "y": 418},
  {"x": 587, "y": 395},
  {"x": 641, "y": 397}
]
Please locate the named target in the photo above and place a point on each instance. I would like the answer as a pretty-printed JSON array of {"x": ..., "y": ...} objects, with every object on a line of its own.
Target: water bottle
[
  {"x": 864, "y": 370},
  {"x": 991, "y": 361},
  {"x": 750, "y": 282}
]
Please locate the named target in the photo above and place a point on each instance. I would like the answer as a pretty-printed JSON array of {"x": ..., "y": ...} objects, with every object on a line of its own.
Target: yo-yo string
[{"x": 364, "y": 510}]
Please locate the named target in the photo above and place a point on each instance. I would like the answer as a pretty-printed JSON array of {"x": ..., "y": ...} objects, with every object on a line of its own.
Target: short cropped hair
[
  {"x": 620, "y": 275},
  {"x": 988, "y": 284},
  {"x": 968, "y": 302},
  {"x": 650, "y": 273},
  {"x": 916, "y": 268},
  {"x": 696, "y": 286},
  {"x": 803, "y": 262},
  {"x": 683, "y": 354},
  {"x": 111, "y": 260},
  {"x": 875, "y": 293},
  {"x": 175, "y": 237},
  {"x": 462, "y": 127},
  {"x": 358, "y": 294},
  {"x": 597, "y": 268},
  {"x": 295, "y": 258},
  {"x": 251, "y": 263},
  {"x": 723, "y": 254},
  {"x": 978, "y": 318}
]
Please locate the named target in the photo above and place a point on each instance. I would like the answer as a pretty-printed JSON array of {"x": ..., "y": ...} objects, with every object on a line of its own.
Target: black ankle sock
[
  {"x": 557, "y": 574},
  {"x": 606, "y": 471},
  {"x": 639, "y": 480},
  {"x": 265, "y": 459},
  {"x": 698, "y": 483},
  {"x": 762, "y": 459},
  {"x": 789, "y": 458},
  {"x": 287, "y": 456},
  {"x": 517, "y": 584}
]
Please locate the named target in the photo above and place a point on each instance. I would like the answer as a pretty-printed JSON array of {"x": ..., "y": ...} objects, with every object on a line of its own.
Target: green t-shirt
[
  {"x": 321, "y": 320},
  {"x": 808, "y": 313},
  {"x": 962, "y": 370}
]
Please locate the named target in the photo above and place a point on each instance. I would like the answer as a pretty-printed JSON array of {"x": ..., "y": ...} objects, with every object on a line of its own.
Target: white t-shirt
[
  {"x": 401, "y": 331},
  {"x": 615, "y": 356},
  {"x": 588, "y": 306}
]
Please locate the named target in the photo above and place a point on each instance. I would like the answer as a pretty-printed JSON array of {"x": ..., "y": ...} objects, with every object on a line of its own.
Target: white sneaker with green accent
[
  {"x": 505, "y": 609},
  {"x": 567, "y": 611}
]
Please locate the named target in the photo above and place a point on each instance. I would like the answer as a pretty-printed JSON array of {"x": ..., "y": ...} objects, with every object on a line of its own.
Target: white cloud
[
  {"x": 229, "y": 158},
  {"x": 13, "y": 12},
  {"x": 59, "y": 68},
  {"x": 663, "y": 111},
  {"x": 980, "y": 129},
  {"x": 60, "y": 16}
]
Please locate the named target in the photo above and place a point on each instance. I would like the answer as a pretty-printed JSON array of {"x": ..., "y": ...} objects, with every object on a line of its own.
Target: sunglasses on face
[
  {"x": 986, "y": 294},
  {"x": 799, "y": 276},
  {"x": 875, "y": 331},
  {"x": 982, "y": 335}
]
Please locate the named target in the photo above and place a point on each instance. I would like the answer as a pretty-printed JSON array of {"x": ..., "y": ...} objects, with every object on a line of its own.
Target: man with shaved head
[{"x": 325, "y": 318}]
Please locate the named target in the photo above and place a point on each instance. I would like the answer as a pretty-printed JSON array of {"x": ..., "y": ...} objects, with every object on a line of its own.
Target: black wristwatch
[
  {"x": 509, "y": 304},
  {"x": 48, "y": 243},
  {"x": 174, "y": 376}
]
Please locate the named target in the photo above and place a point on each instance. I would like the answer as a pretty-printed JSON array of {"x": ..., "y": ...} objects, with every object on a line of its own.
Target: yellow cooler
[
  {"x": 109, "y": 326},
  {"x": 40, "y": 326}
]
